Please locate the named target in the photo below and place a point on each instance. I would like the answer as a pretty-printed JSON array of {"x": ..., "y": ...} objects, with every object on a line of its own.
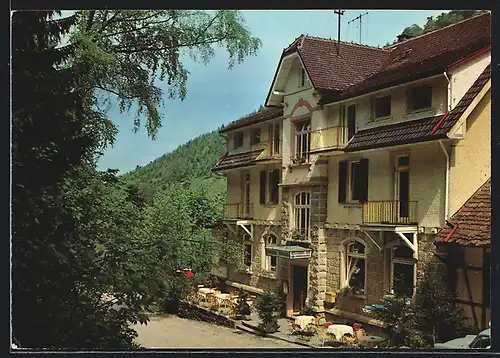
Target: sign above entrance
[{"x": 289, "y": 252}]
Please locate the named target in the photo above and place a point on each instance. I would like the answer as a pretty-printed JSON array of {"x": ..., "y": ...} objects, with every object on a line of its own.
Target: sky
[{"x": 217, "y": 95}]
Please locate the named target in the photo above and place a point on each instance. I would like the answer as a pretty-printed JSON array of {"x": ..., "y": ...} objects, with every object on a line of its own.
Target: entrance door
[
  {"x": 402, "y": 190},
  {"x": 299, "y": 287},
  {"x": 246, "y": 196}
]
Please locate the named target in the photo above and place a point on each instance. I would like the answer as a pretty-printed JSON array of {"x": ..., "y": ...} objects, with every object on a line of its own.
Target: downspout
[{"x": 447, "y": 180}]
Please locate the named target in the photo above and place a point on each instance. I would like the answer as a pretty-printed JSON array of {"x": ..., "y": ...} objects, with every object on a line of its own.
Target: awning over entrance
[{"x": 289, "y": 252}]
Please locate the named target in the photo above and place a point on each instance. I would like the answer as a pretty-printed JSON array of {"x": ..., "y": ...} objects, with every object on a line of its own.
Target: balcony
[
  {"x": 392, "y": 212},
  {"x": 238, "y": 211},
  {"x": 271, "y": 151},
  {"x": 330, "y": 138}
]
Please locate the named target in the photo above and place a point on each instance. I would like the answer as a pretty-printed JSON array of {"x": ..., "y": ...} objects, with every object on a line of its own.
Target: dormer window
[
  {"x": 420, "y": 98},
  {"x": 238, "y": 140},
  {"x": 255, "y": 138},
  {"x": 302, "y": 82},
  {"x": 382, "y": 107}
]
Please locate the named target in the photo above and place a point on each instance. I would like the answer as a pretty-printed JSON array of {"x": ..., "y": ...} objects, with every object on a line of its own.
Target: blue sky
[{"x": 218, "y": 96}]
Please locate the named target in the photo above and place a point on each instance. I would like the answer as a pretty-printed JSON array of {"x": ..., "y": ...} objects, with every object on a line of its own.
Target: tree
[
  {"x": 268, "y": 309},
  {"x": 123, "y": 52}
]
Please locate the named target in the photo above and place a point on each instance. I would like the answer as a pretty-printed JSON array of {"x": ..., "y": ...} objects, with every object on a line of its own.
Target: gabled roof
[
  {"x": 329, "y": 71},
  {"x": 261, "y": 116},
  {"x": 471, "y": 224},
  {"x": 424, "y": 56},
  {"x": 237, "y": 160},
  {"x": 420, "y": 130}
]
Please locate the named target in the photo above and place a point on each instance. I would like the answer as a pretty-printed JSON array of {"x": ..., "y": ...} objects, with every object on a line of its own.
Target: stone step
[{"x": 248, "y": 329}]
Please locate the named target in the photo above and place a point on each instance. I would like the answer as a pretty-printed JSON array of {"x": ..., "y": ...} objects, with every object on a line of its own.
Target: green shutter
[
  {"x": 342, "y": 181},
  {"x": 262, "y": 186}
]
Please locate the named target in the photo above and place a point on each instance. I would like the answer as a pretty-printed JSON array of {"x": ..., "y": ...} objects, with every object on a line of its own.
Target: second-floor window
[
  {"x": 353, "y": 181},
  {"x": 302, "y": 212},
  {"x": 382, "y": 106},
  {"x": 270, "y": 191},
  {"x": 302, "y": 141},
  {"x": 275, "y": 129},
  {"x": 420, "y": 98},
  {"x": 238, "y": 140},
  {"x": 351, "y": 121},
  {"x": 255, "y": 138}
]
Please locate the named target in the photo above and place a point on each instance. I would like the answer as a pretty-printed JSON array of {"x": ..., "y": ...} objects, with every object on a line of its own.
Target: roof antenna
[
  {"x": 340, "y": 13},
  {"x": 359, "y": 17}
]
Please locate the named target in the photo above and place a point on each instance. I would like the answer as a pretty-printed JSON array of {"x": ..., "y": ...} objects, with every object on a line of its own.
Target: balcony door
[
  {"x": 246, "y": 195},
  {"x": 402, "y": 189}
]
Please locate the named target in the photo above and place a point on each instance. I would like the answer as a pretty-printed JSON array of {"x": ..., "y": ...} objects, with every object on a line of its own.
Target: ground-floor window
[
  {"x": 402, "y": 271},
  {"x": 248, "y": 252},
  {"x": 271, "y": 260},
  {"x": 355, "y": 268},
  {"x": 302, "y": 212}
]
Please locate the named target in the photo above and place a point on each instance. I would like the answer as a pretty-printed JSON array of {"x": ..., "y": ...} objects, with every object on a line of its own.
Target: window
[
  {"x": 276, "y": 138},
  {"x": 382, "y": 106},
  {"x": 402, "y": 271},
  {"x": 302, "y": 78},
  {"x": 351, "y": 121},
  {"x": 248, "y": 252},
  {"x": 274, "y": 180},
  {"x": 255, "y": 138},
  {"x": 420, "y": 98},
  {"x": 238, "y": 140},
  {"x": 302, "y": 213},
  {"x": 353, "y": 181},
  {"x": 271, "y": 260},
  {"x": 355, "y": 268},
  {"x": 302, "y": 141}
]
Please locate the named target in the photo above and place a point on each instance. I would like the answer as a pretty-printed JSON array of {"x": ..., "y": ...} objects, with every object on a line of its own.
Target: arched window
[
  {"x": 271, "y": 260},
  {"x": 355, "y": 266},
  {"x": 402, "y": 270},
  {"x": 302, "y": 212},
  {"x": 248, "y": 252}
]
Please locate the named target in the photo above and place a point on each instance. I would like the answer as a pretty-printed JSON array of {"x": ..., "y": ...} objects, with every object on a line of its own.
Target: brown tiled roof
[
  {"x": 419, "y": 130},
  {"x": 465, "y": 102},
  {"x": 237, "y": 160},
  {"x": 328, "y": 71},
  {"x": 472, "y": 221},
  {"x": 424, "y": 55},
  {"x": 394, "y": 134},
  {"x": 261, "y": 116}
]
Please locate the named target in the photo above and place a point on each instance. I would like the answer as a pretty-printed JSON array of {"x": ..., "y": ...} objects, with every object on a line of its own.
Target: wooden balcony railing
[
  {"x": 238, "y": 211},
  {"x": 272, "y": 150},
  {"x": 390, "y": 212},
  {"x": 328, "y": 138}
]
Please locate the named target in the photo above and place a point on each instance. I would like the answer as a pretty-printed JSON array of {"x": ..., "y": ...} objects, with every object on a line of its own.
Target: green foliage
[
  {"x": 191, "y": 164},
  {"x": 268, "y": 308},
  {"x": 432, "y": 317},
  {"x": 123, "y": 52},
  {"x": 243, "y": 307},
  {"x": 442, "y": 20}
]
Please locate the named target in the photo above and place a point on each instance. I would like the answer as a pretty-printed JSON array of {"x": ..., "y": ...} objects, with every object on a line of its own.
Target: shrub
[{"x": 268, "y": 307}]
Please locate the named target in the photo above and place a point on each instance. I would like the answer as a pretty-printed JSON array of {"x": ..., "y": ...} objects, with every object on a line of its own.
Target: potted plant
[
  {"x": 243, "y": 310},
  {"x": 268, "y": 308},
  {"x": 297, "y": 236}
]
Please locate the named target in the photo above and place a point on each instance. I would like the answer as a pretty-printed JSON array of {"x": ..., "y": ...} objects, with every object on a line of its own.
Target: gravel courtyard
[{"x": 175, "y": 332}]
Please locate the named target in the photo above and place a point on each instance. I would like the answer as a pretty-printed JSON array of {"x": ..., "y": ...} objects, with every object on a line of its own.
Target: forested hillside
[{"x": 191, "y": 161}]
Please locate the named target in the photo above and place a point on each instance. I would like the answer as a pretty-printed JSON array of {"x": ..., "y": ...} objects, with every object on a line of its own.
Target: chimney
[{"x": 403, "y": 37}]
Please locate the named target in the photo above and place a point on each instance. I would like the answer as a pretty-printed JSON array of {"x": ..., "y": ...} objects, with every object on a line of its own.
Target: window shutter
[
  {"x": 262, "y": 186},
  {"x": 363, "y": 180},
  {"x": 342, "y": 181}
]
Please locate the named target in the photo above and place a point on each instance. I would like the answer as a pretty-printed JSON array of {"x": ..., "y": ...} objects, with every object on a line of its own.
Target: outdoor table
[
  {"x": 339, "y": 330},
  {"x": 303, "y": 321},
  {"x": 370, "y": 341},
  {"x": 205, "y": 290}
]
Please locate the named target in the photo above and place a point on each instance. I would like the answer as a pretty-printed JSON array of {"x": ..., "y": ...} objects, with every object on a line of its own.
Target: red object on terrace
[
  {"x": 188, "y": 274},
  {"x": 356, "y": 326}
]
